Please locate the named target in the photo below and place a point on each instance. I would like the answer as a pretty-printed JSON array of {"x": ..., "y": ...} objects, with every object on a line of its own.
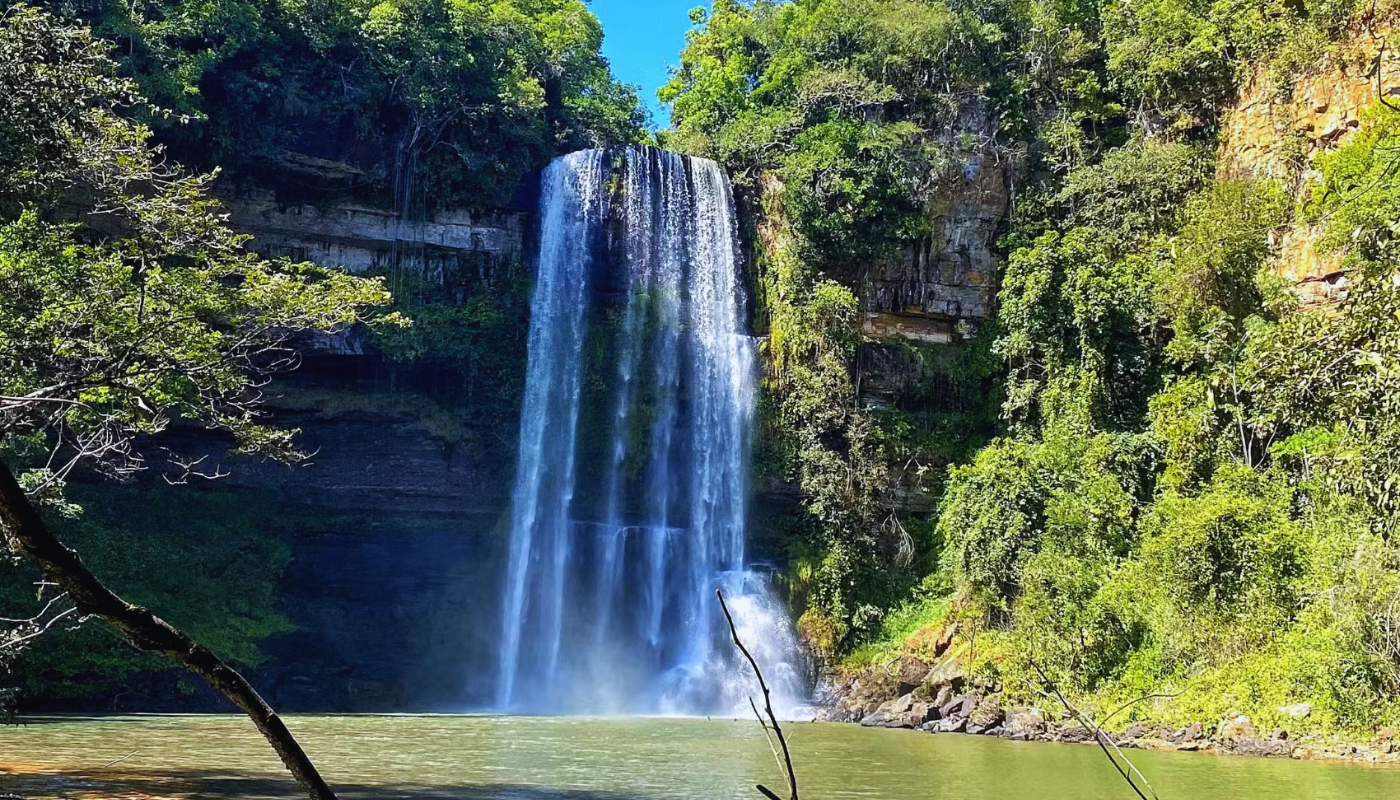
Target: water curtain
[{"x": 631, "y": 489}]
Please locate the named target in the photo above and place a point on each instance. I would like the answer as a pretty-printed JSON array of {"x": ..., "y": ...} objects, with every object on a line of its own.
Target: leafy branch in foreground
[{"x": 127, "y": 305}]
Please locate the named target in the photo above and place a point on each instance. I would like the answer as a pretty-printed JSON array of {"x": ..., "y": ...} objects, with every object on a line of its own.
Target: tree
[{"x": 127, "y": 305}]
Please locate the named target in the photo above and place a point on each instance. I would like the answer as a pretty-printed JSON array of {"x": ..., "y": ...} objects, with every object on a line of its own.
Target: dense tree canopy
[
  {"x": 126, "y": 306},
  {"x": 430, "y": 103},
  {"x": 1194, "y": 483}
]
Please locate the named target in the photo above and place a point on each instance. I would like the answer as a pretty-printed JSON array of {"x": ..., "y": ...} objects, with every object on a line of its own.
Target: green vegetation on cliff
[
  {"x": 1193, "y": 485},
  {"x": 128, "y": 307},
  {"x": 430, "y": 103}
]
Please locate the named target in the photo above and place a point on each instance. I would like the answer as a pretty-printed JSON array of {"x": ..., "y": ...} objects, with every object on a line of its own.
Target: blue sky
[{"x": 642, "y": 38}]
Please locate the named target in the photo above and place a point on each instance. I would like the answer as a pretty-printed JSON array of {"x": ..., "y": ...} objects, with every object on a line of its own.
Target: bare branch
[
  {"x": 1101, "y": 738},
  {"x": 767, "y": 704}
]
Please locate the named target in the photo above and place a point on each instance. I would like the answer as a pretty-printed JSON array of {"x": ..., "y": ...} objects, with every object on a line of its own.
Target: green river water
[{"x": 478, "y": 757}]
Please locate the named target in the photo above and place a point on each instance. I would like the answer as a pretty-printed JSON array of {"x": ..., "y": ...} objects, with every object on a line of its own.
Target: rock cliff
[{"x": 1274, "y": 132}]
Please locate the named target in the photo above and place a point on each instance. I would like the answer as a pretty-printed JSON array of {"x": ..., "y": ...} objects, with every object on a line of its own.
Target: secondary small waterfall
[{"x": 631, "y": 488}]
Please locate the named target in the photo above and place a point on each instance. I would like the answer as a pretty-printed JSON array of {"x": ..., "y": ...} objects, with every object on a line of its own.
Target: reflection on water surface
[{"x": 567, "y": 758}]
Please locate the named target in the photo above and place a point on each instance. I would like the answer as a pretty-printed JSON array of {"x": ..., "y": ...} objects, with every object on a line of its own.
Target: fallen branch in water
[
  {"x": 1102, "y": 739},
  {"x": 767, "y": 707}
]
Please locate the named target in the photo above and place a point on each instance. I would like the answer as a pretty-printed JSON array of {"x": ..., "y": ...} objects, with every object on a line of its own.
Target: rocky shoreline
[{"x": 938, "y": 698}]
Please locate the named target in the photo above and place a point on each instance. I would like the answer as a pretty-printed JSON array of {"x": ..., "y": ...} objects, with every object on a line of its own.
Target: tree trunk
[{"x": 27, "y": 534}]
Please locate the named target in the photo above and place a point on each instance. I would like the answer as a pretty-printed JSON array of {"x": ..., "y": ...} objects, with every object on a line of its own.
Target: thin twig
[
  {"x": 777, "y": 759},
  {"x": 767, "y": 703},
  {"x": 120, "y": 760},
  {"x": 1132, "y": 703},
  {"x": 1102, "y": 739}
]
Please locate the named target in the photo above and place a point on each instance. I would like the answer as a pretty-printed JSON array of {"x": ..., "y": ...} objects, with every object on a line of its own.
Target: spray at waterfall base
[{"x": 631, "y": 493}]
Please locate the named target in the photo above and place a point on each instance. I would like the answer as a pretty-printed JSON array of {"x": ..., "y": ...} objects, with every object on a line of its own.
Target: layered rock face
[
  {"x": 941, "y": 288},
  {"x": 361, "y": 238},
  {"x": 1275, "y": 132},
  {"x": 394, "y": 580}
]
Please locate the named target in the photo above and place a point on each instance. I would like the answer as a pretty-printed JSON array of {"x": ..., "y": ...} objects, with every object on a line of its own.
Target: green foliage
[
  {"x": 1235, "y": 555},
  {"x": 433, "y": 102},
  {"x": 1076, "y": 307},
  {"x": 113, "y": 332},
  {"x": 220, "y": 585},
  {"x": 836, "y": 100},
  {"x": 145, "y": 314},
  {"x": 469, "y": 333},
  {"x": 1195, "y": 481}
]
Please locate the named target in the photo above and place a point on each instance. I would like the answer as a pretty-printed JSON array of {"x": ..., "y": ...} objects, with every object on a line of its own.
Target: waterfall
[{"x": 631, "y": 488}]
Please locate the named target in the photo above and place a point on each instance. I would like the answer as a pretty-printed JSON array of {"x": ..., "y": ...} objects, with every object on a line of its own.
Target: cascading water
[{"x": 615, "y": 551}]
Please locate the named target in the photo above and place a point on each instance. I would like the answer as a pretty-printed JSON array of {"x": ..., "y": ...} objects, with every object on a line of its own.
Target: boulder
[
  {"x": 1136, "y": 732},
  {"x": 1236, "y": 729},
  {"x": 952, "y": 725},
  {"x": 911, "y": 675},
  {"x": 987, "y": 713},
  {"x": 943, "y": 697},
  {"x": 975, "y": 730},
  {"x": 951, "y": 708},
  {"x": 968, "y": 705},
  {"x": 1027, "y": 721},
  {"x": 1075, "y": 735},
  {"x": 1296, "y": 711},
  {"x": 876, "y": 720},
  {"x": 1277, "y": 748},
  {"x": 945, "y": 673},
  {"x": 923, "y": 712},
  {"x": 900, "y": 705},
  {"x": 839, "y": 715}
]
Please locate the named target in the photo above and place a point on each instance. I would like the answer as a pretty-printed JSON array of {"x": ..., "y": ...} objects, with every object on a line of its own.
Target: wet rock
[
  {"x": 1026, "y": 721},
  {"x": 929, "y": 727},
  {"x": 1136, "y": 732},
  {"x": 875, "y": 720},
  {"x": 1074, "y": 735},
  {"x": 1188, "y": 747},
  {"x": 1235, "y": 729},
  {"x": 952, "y": 725},
  {"x": 839, "y": 715},
  {"x": 1264, "y": 747},
  {"x": 1188, "y": 734},
  {"x": 995, "y": 730},
  {"x": 1297, "y": 710}
]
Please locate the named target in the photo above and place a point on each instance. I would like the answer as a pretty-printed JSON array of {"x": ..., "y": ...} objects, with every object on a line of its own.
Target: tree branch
[
  {"x": 767, "y": 705},
  {"x": 1100, "y": 738},
  {"x": 26, "y": 533}
]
